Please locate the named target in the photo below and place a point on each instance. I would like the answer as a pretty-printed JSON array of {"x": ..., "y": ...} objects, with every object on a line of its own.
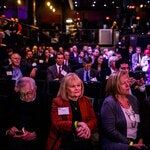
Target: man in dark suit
[
  {"x": 86, "y": 73},
  {"x": 59, "y": 70},
  {"x": 67, "y": 59}
]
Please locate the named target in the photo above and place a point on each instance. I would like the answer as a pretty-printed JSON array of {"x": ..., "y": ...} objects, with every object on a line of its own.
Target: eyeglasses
[
  {"x": 16, "y": 58},
  {"x": 125, "y": 68},
  {"x": 26, "y": 94}
]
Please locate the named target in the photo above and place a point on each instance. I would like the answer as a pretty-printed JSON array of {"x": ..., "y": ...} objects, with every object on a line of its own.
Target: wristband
[
  {"x": 76, "y": 124},
  {"x": 131, "y": 143}
]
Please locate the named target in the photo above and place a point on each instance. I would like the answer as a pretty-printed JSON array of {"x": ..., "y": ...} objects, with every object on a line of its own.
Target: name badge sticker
[
  {"x": 63, "y": 72},
  {"x": 9, "y": 73},
  {"x": 94, "y": 79},
  {"x": 41, "y": 61},
  {"x": 63, "y": 111},
  {"x": 34, "y": 64},
  {"x": 107, "y": 77}
]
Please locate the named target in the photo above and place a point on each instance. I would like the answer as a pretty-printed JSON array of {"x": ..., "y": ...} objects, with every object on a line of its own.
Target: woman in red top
[{"x": 72, "y": 117}]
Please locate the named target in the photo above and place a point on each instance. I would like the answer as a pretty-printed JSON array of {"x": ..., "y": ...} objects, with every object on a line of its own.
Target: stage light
[
  {"x": 69, "y": 20},
  {"x": 107, "y": 17},
  {"x": 19, "y": 2},
  {"x": 137, "y": 17},
  {"x": 131, "y": 7}
]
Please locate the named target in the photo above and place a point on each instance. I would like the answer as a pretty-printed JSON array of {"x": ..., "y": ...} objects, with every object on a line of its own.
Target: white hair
[
  {"x": 23, "y": 81},
  {"x": 110, "y": 53},
  {"x": 112, "y": 58}
]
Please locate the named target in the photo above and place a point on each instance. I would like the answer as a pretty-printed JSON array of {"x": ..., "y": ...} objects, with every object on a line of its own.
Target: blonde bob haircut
[
  {"x": 66, "y": 81},
  {"x": 113, "y": 83}
]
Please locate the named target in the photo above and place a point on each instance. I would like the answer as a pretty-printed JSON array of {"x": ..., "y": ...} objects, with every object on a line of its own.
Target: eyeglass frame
[{"x": 28, "y": 93}]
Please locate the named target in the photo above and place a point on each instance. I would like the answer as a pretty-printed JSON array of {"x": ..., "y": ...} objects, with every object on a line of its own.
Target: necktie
[
  {"x": 87, "y": 76},
  {"x": 59, "y": 73}
]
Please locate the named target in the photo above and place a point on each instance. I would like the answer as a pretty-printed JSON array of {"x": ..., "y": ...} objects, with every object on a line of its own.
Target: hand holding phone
[{"x": 19, "y": 132}]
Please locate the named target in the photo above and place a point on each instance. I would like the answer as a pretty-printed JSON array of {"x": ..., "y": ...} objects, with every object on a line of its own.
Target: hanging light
[
  {"x": 48, "y": 3},
  {"x": 19, "y": 2}
]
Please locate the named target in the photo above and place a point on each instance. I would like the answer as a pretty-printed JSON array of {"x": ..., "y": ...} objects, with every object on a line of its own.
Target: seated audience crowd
[{"x": 35, "y": 121}]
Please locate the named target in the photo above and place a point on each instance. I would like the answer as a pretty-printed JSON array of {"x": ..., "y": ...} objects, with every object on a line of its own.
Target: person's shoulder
[
  {"x": 110, "y": 99},
  {"x": 134, "y": 54},
  {"x": 110, "y": 103},
  {"x": 79, "y": 70},
  {"x": 94, "y": 70},
  {"x": 86, "y": 98},
  {"x": 132, "y": 97},
  {"x": 51, "y": 67},
  {"x": 59, "y": 101},
  {"x": 66, "y": 67},
  {"x": 133, "y": 100},
  {"x": 7, "y": 67}
]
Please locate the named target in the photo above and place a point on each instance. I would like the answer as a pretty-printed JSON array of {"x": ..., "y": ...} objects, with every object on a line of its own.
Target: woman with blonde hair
[
  {"x": 72, "y": 117},
  {"x": 120, "y": 115}
]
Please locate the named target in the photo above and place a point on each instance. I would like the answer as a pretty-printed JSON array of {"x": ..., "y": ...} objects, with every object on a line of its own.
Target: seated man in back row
[
  {"x": 57, "y": 71},
  {"x": 17, "y": 69},
  {"x": 87, "y": 73}
]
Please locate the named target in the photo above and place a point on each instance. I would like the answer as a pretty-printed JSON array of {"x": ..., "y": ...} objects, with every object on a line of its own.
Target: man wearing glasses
[{"x": 27, "y": 118}]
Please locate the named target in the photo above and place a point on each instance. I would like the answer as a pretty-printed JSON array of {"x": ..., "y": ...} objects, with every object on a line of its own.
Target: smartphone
[{"x": 18, "y": 132}]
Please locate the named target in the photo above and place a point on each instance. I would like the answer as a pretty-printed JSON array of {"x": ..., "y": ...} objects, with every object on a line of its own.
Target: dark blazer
[
  {"x": 53, "y": 74},
  {"x": 73, "y": 59},
  {"x": 63, "y": 123},
  {"x": 114, "y": 126},
  {"x": 69, "y": 65},
  {"x": 80, "y": 73},
  {"x": 41, "y": 61},
  {"x": 25, "y": 70}
]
